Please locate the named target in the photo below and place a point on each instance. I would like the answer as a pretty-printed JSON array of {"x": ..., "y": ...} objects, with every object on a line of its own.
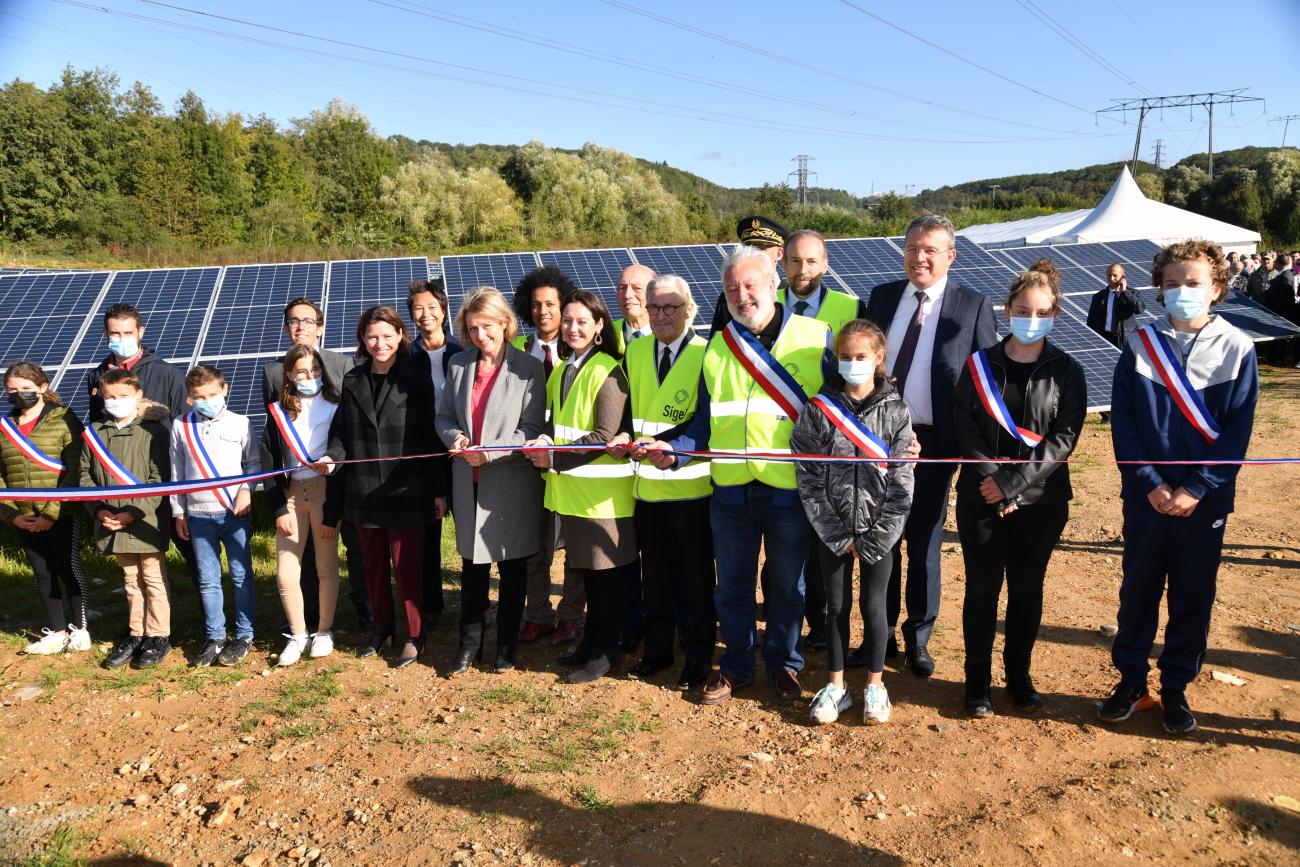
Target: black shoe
[
  {"x": 153, "y": 650},
  {"x": 1178, "y": 716},
  {"x": 857, "y": 658},
  {"x": 402, "y": 660},
  {"x": 471, "y": 647},
  {"x": 234, "y": 651},
  {"x": 505, "y": 660},
  {"x": 1122, "y": 703},
  {"x": 208, "y": 654},
  {"x": 123, "y": 651},
  {"x": 979, "y": 703},
  {"x": 1023, "y": 694},
  {"x": 693, "y": 676},
  {"x": 920, "y": 661},
  {"x": 631, "y": 638},
  {"x": 648, "y": 668},
  {"x": 577, "y": 659},
  {"x": 891, "y": 649},
  {"x": 816, "y": 639},
  {"x": 375, "y": 643}
]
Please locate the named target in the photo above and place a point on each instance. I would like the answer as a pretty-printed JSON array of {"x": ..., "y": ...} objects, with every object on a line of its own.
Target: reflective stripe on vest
[
  {"x": 657, "y": 407},
  {"x": 743, "y": 418},
  {"x": 602, "y": 488},
  {"x": 837, "y": 308}
]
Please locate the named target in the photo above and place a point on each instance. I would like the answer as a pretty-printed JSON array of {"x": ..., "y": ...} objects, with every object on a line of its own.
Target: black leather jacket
[
  {"x": 1056, "y": 400},
  {"x": 853, "y": 502}
]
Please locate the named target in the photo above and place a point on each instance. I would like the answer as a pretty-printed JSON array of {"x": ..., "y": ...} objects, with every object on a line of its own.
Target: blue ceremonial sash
[
  {"x": 852, "y": 427},
  {"x": 27, "y": 447},
  {"x": 774, "y": 379}
]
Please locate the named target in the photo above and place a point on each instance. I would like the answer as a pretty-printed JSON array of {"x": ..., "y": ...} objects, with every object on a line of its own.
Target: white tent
[{"x": 1125, "y": 214}]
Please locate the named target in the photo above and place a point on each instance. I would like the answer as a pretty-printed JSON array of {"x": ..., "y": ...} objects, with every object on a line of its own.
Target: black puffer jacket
[
  {"x": 1056, "y": 400},
  {"x": 852, "y": 501}
]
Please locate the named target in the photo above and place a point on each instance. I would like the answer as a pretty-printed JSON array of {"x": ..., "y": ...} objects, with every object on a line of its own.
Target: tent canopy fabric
[{"x": 1125, "y": 214}]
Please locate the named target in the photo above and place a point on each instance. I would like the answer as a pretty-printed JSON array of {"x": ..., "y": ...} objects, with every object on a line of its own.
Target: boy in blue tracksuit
[{"x": 1185, "y": 389}]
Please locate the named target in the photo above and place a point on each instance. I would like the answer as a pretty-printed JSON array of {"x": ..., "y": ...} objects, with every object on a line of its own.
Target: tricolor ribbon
[
  {"x": 852, "y": 427},
  {"x": 27, "y": 447},
  {"x": 290, "y": 435},
  {"x": 991, "y": 396},
  {"x": 1163, "y": 358},
  {"x": 766, "y": 370},
  {"x": 199, "y": 455},
  {"x": 106, "y": 459}
]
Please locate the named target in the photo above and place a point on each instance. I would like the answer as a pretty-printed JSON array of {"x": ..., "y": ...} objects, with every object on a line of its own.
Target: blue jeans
[
  {"x": 209, "y": 533},
  {"x": 742, "y": 517}
]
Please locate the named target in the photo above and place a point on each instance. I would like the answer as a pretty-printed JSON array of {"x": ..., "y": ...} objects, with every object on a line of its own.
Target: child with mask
[
  {"x": 129, "y": 447},
  {"x": 211, "y": 441},
  {"x": 306, "y": 504},
  {"x": 857, "y": 508},
  {"x": 1185, "y": 389},
  {"x": 1024, "y": 399}
]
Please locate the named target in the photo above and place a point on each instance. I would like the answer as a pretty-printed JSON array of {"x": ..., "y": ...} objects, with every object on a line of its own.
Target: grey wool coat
[{"x": 501, "y": 523}]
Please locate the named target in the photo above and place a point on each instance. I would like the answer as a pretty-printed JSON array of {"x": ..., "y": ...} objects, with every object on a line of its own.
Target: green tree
[
  {"x": 776, "y": 202},
  {"x": 345, "y": 160},
  {"x": 1182, "y": 183},
  {"x": 430, "y": 203}
]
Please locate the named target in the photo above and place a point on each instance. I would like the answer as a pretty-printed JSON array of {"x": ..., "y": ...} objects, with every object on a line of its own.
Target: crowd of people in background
[{"x": 806, "y": 434}]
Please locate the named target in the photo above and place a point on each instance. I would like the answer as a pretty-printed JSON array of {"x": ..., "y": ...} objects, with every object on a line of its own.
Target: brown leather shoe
[
  {"x": 719, "y": 687},
  {"x": 787, "y": 686}
]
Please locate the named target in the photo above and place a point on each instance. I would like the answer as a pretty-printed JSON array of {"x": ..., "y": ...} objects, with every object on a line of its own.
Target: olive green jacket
[
  {"x": 58, "y": 435},
  {"x": 142, "y": 447}
]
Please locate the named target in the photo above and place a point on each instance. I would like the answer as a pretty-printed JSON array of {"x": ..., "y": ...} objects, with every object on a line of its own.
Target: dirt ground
[{"x": 350, "y": 762}]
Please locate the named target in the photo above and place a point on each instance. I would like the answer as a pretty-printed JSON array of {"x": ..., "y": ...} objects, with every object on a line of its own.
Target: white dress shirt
[
  {"x": 540, "y": 354},
  {"x": 436, "y": 371},
  {"x": 675, "y": 346},
  {"x": 917, "y": 390},
  {"x": 814, "y": 301}
]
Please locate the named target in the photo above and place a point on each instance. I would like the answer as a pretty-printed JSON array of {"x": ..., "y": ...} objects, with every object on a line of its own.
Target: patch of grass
[
  {"x": 306, "y": 729},
  {"x": 507, "y": 695},
  {"x": 198, "y": 678},
  {"x": 589, "y": 799},
  {"x": 561, "y": 756},
  {"x": 132, "y": 844},
  {"x": 126, "y": 679},
  {"x": 63, "y": 850},
  {"x": 373, "y": 691},
  {"x": 298, "y": 696}
]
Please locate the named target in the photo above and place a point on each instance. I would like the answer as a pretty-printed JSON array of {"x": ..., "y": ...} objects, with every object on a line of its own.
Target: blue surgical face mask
[
  {"x": 1186, "y": 302},
  {"x": 1031, "y": 329},
  {"x": 857, "y": 372},
  {"x": 308, "y": 387},
  {"x": 123, "y": 347},
  {"x": 210, "y": 407}
]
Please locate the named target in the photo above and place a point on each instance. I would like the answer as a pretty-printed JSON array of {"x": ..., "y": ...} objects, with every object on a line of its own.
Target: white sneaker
[
  {"x": 829, "y": 702},
  {"x": 293, "y": 650},
  {"x": 322, "y": 644},
  {"x": 49, "y": 643},
  {"x": 876, "y": 708},
  {"x": 78, "y": 640}
]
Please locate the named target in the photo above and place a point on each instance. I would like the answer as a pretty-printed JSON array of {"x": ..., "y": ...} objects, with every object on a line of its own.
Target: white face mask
[
  {"x": 858, "y": 372},
  {"x": 121, "y": 408}
]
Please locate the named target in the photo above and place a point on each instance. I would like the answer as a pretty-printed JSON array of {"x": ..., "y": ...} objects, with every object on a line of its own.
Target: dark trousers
[
  {"x": 923, "y": 535},
  {"x": 814, "y": 598},
  {"x": 1185, "y": 554},
  {"x": 1019, "y": 546},
  {"x": 55, "y": 557},
  {"x": 606, "y": 591},
  {"x": 433, "y": 600},
  {"x": 474, "y": 579},
  {"x": 837, "y": 589},
  {"x": 400, "y": 553},
  {"x": 677, "y": 567},
  {"x": 310, "y": 582}
]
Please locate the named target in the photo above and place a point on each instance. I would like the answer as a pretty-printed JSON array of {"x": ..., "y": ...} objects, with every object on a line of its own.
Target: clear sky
[{"x": 731, "y": 91}]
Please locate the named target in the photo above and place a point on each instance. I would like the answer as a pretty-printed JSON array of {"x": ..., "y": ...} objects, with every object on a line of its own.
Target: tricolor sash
[
  {"x": 199, "y": 454},
  {"x": 27, "y": 447},
  {"x": 774, "y": 379},
  {"x": 987, "y": 388},
  {"x": 106, "y": 458},
  {"x": 290, "y": 435},
  {"x": 853, "y": 428},
  {"x": 1166, "y": 362}
]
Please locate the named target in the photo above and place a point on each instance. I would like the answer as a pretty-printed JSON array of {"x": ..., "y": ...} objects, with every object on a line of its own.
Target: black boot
[
  {"x": 471, "y": 647},
  {"x": 979, "y": 702},
  {"x": 1021, "y": 687},
  {"x": 505, "y": 660}
]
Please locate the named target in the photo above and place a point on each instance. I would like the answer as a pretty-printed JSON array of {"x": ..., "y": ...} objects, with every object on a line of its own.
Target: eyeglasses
[
  {"x": 927, "y": 252},
  {"x": 301, "y": 323},
  {"x": 664, "y": 309},
  {"x": 305, "y": 376}
]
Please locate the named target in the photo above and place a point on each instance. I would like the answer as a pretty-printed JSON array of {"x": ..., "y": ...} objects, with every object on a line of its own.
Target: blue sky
[{"x": 730, "y": 91}]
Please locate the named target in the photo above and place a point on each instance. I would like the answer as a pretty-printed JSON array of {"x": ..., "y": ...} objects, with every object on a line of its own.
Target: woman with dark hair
[
  {"x": 386, "y": 410},
  {"x": 591, "y": 492}
]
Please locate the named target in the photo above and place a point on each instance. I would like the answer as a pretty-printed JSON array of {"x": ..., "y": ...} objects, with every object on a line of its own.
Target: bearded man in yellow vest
[
  {"x": 672, "y": 505},
  {"x": 757, "y": 375}
]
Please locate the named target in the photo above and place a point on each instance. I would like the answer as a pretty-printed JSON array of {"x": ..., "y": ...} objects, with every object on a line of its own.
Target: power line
[
  {"x": 1144, "y": 104},
  {"x": 1064, "y": 32},
  {"x": 801, "y": 178},
  {"x": 1158, "y": 158},
  {"x": 1285, "y": 120},
  {"x": 966, "y": 60}
]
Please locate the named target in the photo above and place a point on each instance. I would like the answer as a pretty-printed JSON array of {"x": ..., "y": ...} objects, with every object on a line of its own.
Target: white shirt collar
[
  {"x": 931, "y": 294},
  {"x": 576, "y": 360},
  {"x": 675, "y": 346}
]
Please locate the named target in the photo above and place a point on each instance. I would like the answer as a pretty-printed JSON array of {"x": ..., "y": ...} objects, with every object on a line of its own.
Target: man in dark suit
[
  {"x": 933, "y": 325},
  {"x": 1111, "y": 311},
  {"x": 304, "y": 323}
]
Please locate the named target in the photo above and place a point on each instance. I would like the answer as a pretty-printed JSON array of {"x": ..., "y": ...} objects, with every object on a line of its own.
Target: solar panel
[
  {"x": 992, "y": 283},
  {"x": 1139, "y": 252},
  {"x": 10, "y": 272},
  {"x": 865, "y": 256},
  {"x": 595, "y": 270},
  {"x": 697, "y": 264},
  {"x": 1254, "y": 318},
  {"x": 248, "y": 315},
  {"x": 359, "y": 284},
  {"x": 173, "y": 305},
  {"x": 1096, "y": 257},
  {"x": 244, "y": 376},
  {"x": 460, "y": 274},
  {"x": 72, "y": 387},
  {"x": 861, "y": 284},
  {"x": 41, "y": 315},
  {"x": 972, "y": 255}
]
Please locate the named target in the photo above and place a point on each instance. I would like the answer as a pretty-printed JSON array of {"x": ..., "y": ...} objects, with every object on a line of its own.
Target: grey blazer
[
  {"x": 336, "y": 367},
  {"x": 501, "y": 522}
]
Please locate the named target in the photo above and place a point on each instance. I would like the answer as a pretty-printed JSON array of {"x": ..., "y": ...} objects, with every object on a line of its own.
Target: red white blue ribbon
[
  {"x": 199, "y": 455},
  {"x": 107, "y": 459},
  {"x": 774, "y": 379},
  {"x": 27, "y": 447},
  {"x": 289, "y": 434},
  {"x": 991, "y": 396},
  {"x": 1163, "y": 358},
  {"x": 852, "y": 427}
]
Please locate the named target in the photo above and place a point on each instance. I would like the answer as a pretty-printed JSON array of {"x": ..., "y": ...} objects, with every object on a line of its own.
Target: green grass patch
[
  {"x": 591, "y": 800},
  {"x": 537, "y": 700},
  {"x": 63, "y": 849}
]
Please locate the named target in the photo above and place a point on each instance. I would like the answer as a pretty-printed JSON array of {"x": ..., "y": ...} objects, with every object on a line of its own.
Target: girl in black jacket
[
  {"x": 856, "y": 509},
  {"x": 1023, "y": 398}
]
